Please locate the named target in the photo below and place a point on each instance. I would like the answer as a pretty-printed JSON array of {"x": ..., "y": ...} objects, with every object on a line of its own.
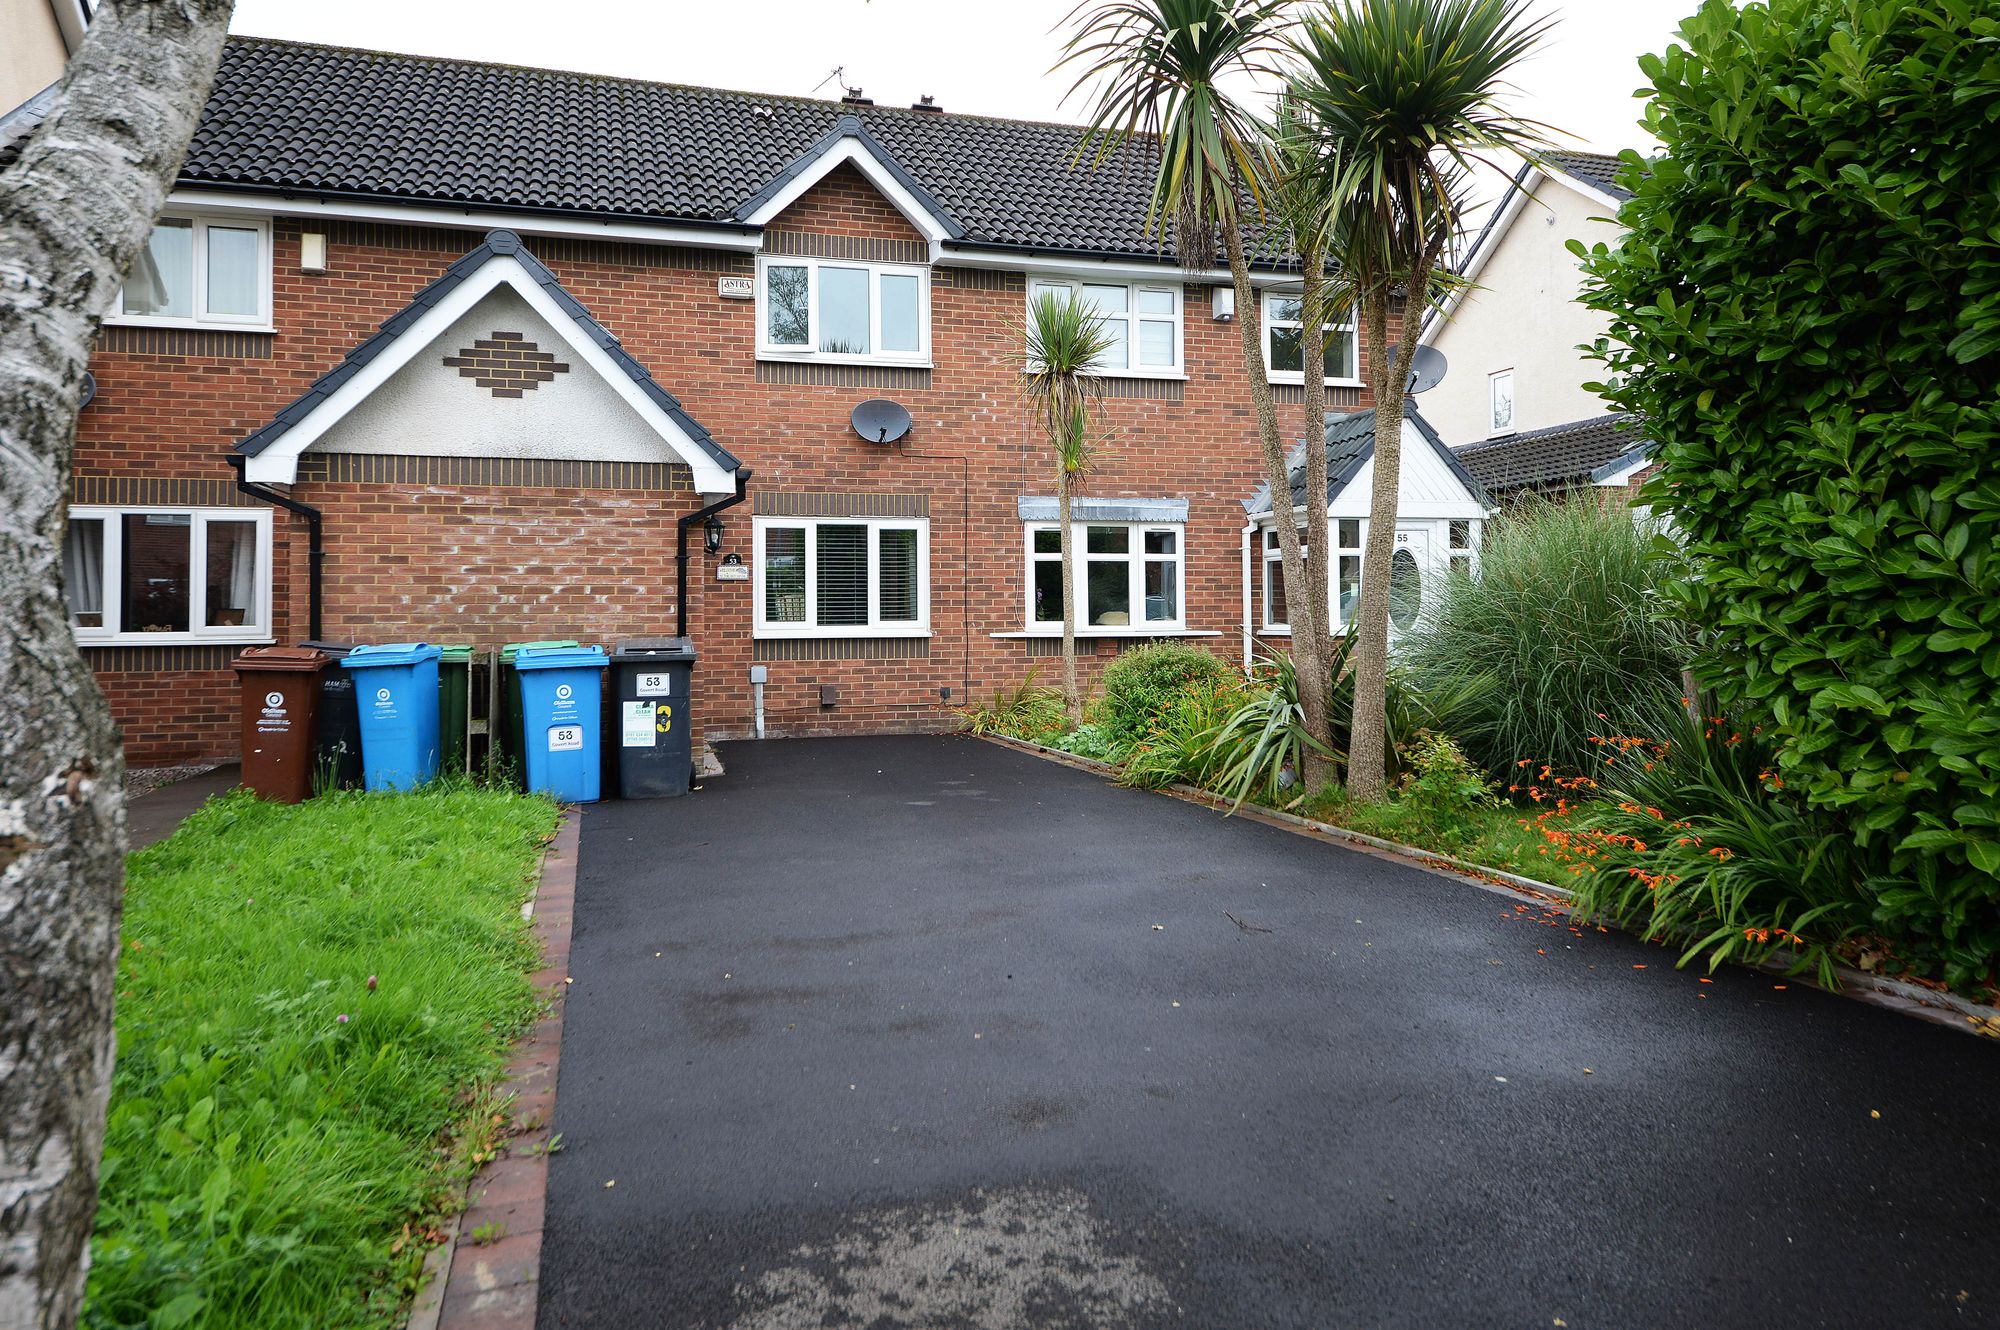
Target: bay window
[
  {"x": 158, "y": 574},
  {"x": 834, "y": 309},
  {"x": 201, "y": 272},
  {"x": 1345, "y": 571},
  {"x": 1284, "y": 344},
  {"x": 859, "y": 577},
  {"x": 1129, "y": 576},
  {"x": 1143, "y": 320}
]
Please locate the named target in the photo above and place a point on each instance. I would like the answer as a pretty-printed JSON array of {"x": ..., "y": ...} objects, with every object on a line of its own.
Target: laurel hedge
[{"x": 1806, "y": 310}]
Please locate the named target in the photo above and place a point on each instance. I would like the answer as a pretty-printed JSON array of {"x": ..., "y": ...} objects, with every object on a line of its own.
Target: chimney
[
  {"x": 927, "y": 103},
  {"x": 854, "y": 98}
]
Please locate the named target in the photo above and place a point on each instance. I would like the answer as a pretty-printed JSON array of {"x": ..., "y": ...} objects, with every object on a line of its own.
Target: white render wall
[
  {"x": 427, "y": 409},
  {"x": 1524, "y": 315}
]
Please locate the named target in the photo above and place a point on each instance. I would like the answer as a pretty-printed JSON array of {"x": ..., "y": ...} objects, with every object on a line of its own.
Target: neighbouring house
[
  {"x": 1439, "y": 524},
  {"x": 1515, "y": 393},
  {"x": 426, "y": 349},
  {"x": 40, "y": 36}
]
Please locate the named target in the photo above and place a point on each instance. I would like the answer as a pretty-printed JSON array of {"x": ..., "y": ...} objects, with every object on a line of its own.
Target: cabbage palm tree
[
  {"x": 1404, "y": 95},
  {"x": 1158, "y": 68},
  {"x": 1062, "y": 339}
]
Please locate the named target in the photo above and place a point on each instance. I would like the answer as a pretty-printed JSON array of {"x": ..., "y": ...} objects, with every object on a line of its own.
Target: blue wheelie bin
[
  {"x": 561, "y": 691},
  {"x": 396, "y": 692}
]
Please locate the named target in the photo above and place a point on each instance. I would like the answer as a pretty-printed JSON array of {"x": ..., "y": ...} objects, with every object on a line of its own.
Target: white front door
[{"x": 1410, "y": 579}]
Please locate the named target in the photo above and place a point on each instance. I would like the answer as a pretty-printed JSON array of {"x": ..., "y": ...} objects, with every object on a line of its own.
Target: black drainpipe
[
  {"x": 681, "y": 549},
  {"x": 317, "y": 552}
]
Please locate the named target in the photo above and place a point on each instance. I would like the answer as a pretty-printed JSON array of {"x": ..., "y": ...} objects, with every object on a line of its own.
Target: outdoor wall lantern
[{"x": 711, "y": 533}]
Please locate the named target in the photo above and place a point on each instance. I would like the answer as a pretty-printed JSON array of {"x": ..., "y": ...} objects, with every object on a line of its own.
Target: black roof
[
  {"x": 496, "y": 243},
  {"x": 1560, "y": 455},
  {"x": 1596, "y": 169},
  {"x": 334, "y": 121},
  {"x": 1350, "y": 442}
]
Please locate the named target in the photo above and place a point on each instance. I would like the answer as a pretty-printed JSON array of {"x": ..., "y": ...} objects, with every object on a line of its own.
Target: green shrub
[
  {"x": 1442, "y": 791},
  {"x": 1563, "y": 635},
  {"x": 1141, "y": 684},
  {"x": 1087, "y": 740},
  {"x": 304, "y": 996},
  {"x": 1030, "y": 711},
  {"x": 1258, "y": 750},
  {"x": 1806, "y": 309},
  {"x": 1180, "y": 747},
  {"x": 1696, "y": 841}
]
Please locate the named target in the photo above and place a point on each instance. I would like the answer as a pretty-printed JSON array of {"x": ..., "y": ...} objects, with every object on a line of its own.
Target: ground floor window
[
  {"x": 1128, "y": 575},
  {"x": 1346, "y": 573},
  {"x": 861, "y": 577},
  {"x": 163, "y": 574}
]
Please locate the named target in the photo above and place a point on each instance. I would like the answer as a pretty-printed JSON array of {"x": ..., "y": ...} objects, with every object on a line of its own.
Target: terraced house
[{"x": 433, "y": 350}]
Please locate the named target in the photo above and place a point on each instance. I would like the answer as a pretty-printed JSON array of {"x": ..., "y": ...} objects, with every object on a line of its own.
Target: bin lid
[
  {"x": 456, "y": 655},
  {"x": 653, "y": 649},
  {"x": 513, "y": 649},
  {"x": 334, "y": 649},
  {"x": 561, "y": 658},
  {"x": 389, "y": 653},
  {"x": 305, "y": 660}
]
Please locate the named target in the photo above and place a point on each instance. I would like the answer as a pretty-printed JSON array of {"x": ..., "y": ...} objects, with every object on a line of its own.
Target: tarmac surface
[{"x": 929, "y": 1032}]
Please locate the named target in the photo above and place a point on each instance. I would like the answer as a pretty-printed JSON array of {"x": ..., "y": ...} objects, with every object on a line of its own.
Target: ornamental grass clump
[{"x": 1563, "y": 635}]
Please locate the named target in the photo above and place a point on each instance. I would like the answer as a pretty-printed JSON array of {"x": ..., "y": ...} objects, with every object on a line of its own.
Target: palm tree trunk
[
  {"x": 1072, "y": 697},
  {"x": 76, "y": 207},
  {"x": 1292, "y": 563},
  {"x": 1316, "y": 685},
  {"x": 1368, "y": 745}
]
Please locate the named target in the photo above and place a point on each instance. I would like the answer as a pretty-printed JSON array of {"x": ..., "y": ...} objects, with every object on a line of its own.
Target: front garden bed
[{"x": 313, "y": 1005}]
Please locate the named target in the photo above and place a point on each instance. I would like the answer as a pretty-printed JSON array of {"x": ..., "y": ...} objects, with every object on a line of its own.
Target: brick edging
[
  {"x": 493, "y": 1286},
  {"x": 1926, "y": 1004}
]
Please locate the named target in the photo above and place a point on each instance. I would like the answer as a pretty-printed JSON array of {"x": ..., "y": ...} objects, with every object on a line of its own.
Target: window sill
[
  {"x": 186, "y": 325},
  {"x": 1299, "y": 380},
  {"x": 847, "y": 632},
  {"x": 170, "y": 640},
  {"x": 821, "y": 358},
  {"x": 1082, "y": 632},
  {"x": 1162, "y": 376}
]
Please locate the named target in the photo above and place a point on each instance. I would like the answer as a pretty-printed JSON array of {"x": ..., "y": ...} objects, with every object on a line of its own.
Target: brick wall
[{"x": 452, "y": 553}]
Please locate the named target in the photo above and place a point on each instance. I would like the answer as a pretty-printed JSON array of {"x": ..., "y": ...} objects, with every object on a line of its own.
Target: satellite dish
[
  {"x": 89, "y": 390},
  {"x": 1426, "y": 372},
  {"x": 880, "y": 420}
]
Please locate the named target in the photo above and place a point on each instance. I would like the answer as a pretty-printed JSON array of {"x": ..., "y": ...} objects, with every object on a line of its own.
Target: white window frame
[
  {"x": 1273, "y": 567},
  {"x": 1135, "y": 557},
  {"x": 1494, "y": 429},
  {"x": 261, "y": 321},
  {"x": 1464, "y": 556},
  {"x": 112, "y": 633},
  {"x": 1266, "y": 322},
  {"x": 769, "y": 350},
  {"x": 762, "y": 627},
  {"x": 1131, "y": 318}
]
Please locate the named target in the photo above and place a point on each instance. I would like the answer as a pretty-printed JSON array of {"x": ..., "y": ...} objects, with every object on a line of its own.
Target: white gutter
[
  {"x": 533, "y": 224},
  {"x": 1054, "y": 261}
]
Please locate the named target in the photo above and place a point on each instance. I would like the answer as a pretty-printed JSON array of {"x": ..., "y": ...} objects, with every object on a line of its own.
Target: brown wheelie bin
[{"x": 280, "y": 701}]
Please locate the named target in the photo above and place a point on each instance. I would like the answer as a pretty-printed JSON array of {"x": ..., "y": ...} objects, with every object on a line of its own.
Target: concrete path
[
  {"x": 930, "y": 1033},
  {"x": 153, "y": 816}
]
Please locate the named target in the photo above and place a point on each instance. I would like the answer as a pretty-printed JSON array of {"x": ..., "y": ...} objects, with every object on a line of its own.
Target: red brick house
[{"x": 436, "y": 350}]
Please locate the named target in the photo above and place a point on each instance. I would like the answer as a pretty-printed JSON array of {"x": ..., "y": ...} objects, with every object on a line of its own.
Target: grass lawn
[
  {"x": 280, "y": 1134},
  {"x": 1503, "y": 837}
]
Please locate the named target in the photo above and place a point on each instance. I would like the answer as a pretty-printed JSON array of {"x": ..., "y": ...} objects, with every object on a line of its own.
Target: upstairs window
[
  {"x": 168, "y": 575},
  {"x": 201, "y": 272},
  {"x": 831, "y": 309},
  {"x": 1143, "y": 320},
  {"x": 1500, "y": 398},
  {"x": 1284, "y": 345},
  {"x": 864, "y": 577}
]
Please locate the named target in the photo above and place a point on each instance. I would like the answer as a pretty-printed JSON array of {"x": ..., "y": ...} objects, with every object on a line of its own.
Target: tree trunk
[
  {"x": 1315, "y": 687},
  {"x": 1368, "y": 745},
  {"x": 75, "y": 210},
  {"x": 1292, "y": 564},
  {"x": 1072, "y": 696}
]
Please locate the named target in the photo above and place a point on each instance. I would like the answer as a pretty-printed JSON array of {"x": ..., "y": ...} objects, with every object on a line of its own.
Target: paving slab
[
  {"x": 152, "y": 817},
  {"x": 928, "y": 1032}
]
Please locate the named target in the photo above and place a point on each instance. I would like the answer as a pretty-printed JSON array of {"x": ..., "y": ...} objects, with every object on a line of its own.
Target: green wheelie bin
[{"x": 454, "y": 705}]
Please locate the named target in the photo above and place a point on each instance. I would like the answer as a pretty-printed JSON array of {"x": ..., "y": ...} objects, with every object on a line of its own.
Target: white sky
[{"x": 993, "y": 59}]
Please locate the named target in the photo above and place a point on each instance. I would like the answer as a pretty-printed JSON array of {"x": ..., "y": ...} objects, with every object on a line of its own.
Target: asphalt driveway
[{"x": 926, "y": 1032}]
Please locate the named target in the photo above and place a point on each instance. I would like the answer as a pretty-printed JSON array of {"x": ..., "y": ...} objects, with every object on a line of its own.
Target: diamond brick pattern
[{"x": 506, "y": 364}]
